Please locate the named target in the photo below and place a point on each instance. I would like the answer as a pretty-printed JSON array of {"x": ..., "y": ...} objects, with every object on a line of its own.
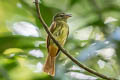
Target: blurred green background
[{"x": 94, "y": 39}]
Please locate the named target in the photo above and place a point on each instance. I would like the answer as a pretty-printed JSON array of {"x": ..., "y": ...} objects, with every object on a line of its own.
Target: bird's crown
[{"x": 62, "y": 16}]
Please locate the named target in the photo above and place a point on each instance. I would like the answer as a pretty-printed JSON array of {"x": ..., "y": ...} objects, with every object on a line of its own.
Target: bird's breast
[{"x": 61, "y": 32}]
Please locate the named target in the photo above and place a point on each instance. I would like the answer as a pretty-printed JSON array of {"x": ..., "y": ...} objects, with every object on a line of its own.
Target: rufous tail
[{"x": 49, "y": 66}]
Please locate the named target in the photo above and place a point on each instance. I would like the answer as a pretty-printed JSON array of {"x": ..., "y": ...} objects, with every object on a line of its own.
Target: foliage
[{"x": 93, "y": 39}]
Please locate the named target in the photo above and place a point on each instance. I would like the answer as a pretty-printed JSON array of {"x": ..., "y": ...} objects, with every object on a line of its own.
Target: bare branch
[{"x": 63, "y": 50}]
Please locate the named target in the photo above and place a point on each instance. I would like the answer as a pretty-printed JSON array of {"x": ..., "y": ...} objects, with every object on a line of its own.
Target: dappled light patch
[
  {"x": 110, "y": 19},
  {"x": 36, "y": 53},
  {"x": 101, "y": 63},
  {"x": 78, "y": 75},
  {"x": 83, "y": 34},
  {"x": 12, "y": 51},
  {"x": 25, "y": 29},
  {"x": 107, "y": 53},
  {"x": 19, "y": 5},
  {"x": 75, "y": 68},
  {"x": 91, "y": 50},
  {"x": 38, "y": 67}
]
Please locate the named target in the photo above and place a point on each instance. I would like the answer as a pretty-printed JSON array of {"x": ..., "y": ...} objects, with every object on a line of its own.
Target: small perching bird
[{"x": 60, "y": 30}]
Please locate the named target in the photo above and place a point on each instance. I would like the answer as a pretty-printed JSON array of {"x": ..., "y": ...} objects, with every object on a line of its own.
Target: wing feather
[{"x": 52, "y": 28}]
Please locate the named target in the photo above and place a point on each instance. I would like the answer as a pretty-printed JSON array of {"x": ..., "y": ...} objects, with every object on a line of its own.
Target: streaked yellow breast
[{"x": 61, "y": 32}]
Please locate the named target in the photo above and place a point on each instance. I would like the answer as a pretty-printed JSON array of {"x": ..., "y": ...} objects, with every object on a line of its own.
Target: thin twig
[{"x": 63, "y": 50}]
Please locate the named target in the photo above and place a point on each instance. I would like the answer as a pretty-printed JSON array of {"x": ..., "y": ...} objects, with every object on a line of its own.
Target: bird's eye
[{"x": 61, "y": 15}]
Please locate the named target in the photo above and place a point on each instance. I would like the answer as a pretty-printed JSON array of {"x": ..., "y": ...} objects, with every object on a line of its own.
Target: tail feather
[{"x": 49, "y": 66}]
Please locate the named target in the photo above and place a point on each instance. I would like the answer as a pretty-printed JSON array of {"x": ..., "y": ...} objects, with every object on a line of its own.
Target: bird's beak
[{"x": 68, "y": 15}]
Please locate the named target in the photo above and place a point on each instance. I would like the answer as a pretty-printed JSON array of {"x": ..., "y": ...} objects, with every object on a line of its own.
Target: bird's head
[{"x": 61, "y": 17}]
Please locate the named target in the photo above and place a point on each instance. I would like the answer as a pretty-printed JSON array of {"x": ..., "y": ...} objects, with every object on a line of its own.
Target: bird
[{"x": 60, "y": 30}]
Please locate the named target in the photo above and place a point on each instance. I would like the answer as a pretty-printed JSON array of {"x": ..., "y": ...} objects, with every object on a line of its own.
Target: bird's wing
[
  {"x": 67, "y": 33},
  {"x": 52, "y": 28}
]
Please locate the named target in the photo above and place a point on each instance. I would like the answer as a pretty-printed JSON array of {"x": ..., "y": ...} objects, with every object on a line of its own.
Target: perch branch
[{"x": 63, "y": 50}]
